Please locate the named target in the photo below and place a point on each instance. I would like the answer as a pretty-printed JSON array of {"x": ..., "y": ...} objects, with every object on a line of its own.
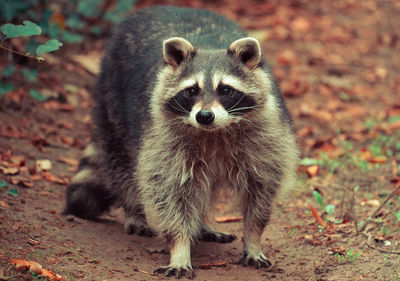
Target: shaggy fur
[{"x": 151, "y": 152}]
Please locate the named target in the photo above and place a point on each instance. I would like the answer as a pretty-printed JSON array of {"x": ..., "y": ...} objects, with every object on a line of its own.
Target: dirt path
[{"x": 339, "y": 71}]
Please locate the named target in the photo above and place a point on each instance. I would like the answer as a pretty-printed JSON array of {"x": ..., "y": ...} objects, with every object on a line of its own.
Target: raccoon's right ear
[
  {"x": 176, "y": 50},
  {"x": 247, "y": 50}
]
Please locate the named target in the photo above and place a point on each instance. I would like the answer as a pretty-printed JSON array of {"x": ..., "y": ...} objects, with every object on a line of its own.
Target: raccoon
[{"x": 185, "y": 103}]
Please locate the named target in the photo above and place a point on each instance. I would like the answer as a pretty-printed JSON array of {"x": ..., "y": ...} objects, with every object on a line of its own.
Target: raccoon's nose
[{"x": 205, "y": 117}]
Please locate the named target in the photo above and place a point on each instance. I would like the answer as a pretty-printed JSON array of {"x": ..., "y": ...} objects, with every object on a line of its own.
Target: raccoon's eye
[
  {"x": 192, "y": 91},
  {"x": 225, "y": 90}
]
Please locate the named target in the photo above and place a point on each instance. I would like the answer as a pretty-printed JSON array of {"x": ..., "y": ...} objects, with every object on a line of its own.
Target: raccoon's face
[{"x": 211, "y": 89}]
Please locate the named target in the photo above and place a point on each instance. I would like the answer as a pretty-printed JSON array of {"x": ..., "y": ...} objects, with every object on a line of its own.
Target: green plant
[
  {"x": 350, "y": 256},
  {"x": 329, "y": 209},
  {"x": 36, "y": 276}
]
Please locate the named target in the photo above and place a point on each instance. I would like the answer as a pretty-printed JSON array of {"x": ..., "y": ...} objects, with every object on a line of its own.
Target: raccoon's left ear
[
  {"x": 176, "y": 50},
  {"x": 247, "y": 50}
]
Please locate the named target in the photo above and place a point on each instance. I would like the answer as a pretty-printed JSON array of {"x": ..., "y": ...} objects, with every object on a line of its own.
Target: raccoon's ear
[
  {"x": 247, "y": 50},
  {"x": 176, "y": 50}
]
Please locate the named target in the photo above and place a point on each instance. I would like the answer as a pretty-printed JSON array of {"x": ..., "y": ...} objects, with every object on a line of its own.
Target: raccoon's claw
[
  {"x": 139, "y": 230},
  {"x": 178, "y": 272},
  {"x": 209, "y": 235},
  {"x": 137, "y": 225},
  {"x": 257, "y": 262}
]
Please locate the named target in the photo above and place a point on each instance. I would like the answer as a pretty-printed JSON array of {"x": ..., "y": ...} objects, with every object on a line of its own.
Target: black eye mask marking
[
  {"x": 182, "y": 103},
  {"x": 234, "y": 101}
]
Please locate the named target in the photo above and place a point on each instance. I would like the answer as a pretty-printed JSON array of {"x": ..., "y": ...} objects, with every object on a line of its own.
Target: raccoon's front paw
[
  {"x": 257, "y": 261},
  {"x": 178, "y": 272},
  {"x": 209, "y": 235},
  {"x": 136, "y": 226}
]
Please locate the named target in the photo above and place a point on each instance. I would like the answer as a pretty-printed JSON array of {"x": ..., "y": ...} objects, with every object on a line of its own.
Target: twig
[
  {"x": 368, "y": 243},
  {"x": 21, "y": 54},
  {"x": 369, "y": 219}
]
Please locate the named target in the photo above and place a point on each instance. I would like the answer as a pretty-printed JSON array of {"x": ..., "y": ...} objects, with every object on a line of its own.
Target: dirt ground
[{"x": 338, "y": 65}]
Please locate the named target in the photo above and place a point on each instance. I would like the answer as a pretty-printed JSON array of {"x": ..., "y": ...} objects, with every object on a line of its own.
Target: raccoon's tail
[{"x": 87, "y": 196}]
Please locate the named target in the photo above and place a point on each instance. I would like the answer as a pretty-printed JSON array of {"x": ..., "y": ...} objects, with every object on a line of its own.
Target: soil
[{"x": 337, "y": 67}]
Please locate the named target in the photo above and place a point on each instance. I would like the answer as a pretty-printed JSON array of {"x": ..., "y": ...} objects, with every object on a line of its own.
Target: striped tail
[{"x": 87, "y": 195}]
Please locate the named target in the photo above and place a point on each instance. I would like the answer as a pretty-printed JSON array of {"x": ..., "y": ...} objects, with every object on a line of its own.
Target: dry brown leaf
[
  {"x": 212, "y": 265},
  {"x": 21, "y": 181},
  {"x": 287, "y": 57},
  {"x": 90, "y": 62},
  {"x": 55, "y": 105},
  {"x": 4, "y": 204},
  {"x": 70, "y": 161},
  {"x": 228, "y": 219},
  {"x": 67, "y": 140},
  {"x": 22, "y": 265},
  {"x": 52, "y": 178},
  {"x": 9, "y": 170},
  {"x": 43, "y": 165},
  {"x": 312, "y": 170}
]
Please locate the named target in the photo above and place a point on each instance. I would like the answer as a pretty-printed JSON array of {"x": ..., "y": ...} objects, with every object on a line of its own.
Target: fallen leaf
[
  {"x": 22, "y": 265},
  {"x": 212, "y": 265},
  {"x": 312, "y": 171},
  {"x": 316, "y": 216},
  {"x": 228, "y": 219},
  {"x": 55, "y": 105},
  {"x": 373, "y": 203},
  {"x": 67, "y": 140},
  {"x": 4, "y": 204},
  {"x": 43, "y": 165},
  {"x": 9, "y": 171},
  {"x": 73, "y": 162},
  {"x": 287, "y": 57},
  {"x": 90, "y": 62},
  {"x": 21, "y": 182},
  {"x": 52, "y": 178}
]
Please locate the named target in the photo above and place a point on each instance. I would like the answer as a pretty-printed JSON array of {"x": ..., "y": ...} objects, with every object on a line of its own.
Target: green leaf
[
  {"x": 10, "y": 8},
  {"x": 89, "y": 8},
  {"x": 3, "y": 184},
  {"x": 28, "y": 29},
  {"x": 394, "y": 119},
  {"x": 31, "y": 46},
  {"x": 6, "y": 87},
  {"x": 124, "y": 5},
  {"x": 75, "y": 22},
  {"x": 398, "y": 216},
  {"x": 30, "y": 74},
  {"x": 36, "y": 95},
  {"x": 70, "y": 37},
  {"x": 8, "y": 71},
  {"x": 96, "y": 30},
  {"x": 330, "y": 209},
  {"x": 113, "y": 16},
  {"x": 319, "y": 199},
  {"x": 309, "y": 161},
  {"x": 49, "y": 46},
  {"x": 13, "y": 192}
]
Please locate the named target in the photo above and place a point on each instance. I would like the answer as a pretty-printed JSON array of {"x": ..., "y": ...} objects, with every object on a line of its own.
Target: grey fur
[{"x": 159, "y": 165}]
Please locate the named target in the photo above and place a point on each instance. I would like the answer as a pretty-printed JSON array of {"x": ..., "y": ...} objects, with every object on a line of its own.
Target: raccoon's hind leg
[
  {"x": 87, "y": 196},
  {"x": 207, "y": 234},
  {"x": 135, "y": 221}
]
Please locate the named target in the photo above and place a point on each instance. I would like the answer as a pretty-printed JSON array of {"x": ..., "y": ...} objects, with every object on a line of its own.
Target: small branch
[
  {"x": 369, "y": 219},
  {"x": 20, "y": 53},
  {"x": 368, "y": 243}
]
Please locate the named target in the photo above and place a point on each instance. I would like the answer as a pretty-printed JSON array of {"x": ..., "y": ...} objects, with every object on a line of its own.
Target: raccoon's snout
[{"x": 205, "y": 117}]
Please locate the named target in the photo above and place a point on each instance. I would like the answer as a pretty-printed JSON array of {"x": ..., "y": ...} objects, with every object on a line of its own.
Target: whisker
[
  {"x": 236, "y": 103},
  {"x": 184, "y": 109},
  {"x": 242, "y": 108},
  {"x": 178, "y": 109}
]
